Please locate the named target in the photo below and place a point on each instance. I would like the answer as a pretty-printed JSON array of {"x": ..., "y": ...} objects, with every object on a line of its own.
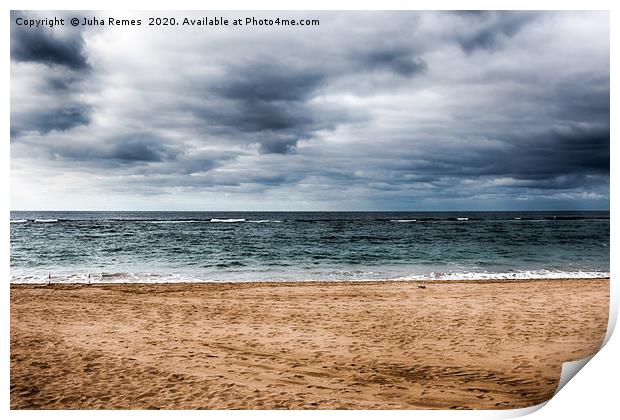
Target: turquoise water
[{"x": 218, "y": 246}]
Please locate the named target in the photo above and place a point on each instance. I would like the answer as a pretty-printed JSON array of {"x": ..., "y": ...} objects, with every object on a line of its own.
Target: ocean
[{"x": 162, "y": 247}]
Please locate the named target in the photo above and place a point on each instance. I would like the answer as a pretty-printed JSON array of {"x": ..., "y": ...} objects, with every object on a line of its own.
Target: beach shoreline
[
  {"x": 401, "y": 344},
  {"x": 271, "y": 283}
]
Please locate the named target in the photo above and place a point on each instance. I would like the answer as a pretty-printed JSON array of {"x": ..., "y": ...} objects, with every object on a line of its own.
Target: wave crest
[{"x": 513, "y": 275}]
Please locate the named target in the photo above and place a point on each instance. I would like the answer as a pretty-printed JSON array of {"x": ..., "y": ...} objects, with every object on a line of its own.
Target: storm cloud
[
  {"x": 368, "y": 110},
  {"x": 53, "y": 66},
  {"x": 489, "y": 29},
  {"x": 61, "y": 47}
]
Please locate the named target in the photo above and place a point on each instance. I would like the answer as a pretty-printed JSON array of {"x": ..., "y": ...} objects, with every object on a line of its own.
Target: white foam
[
  {"x": 264, "y": 221},
  {"x": 462, "y": 219},
  {"x": 18, "y": 220},
  {"x": 172, "y": 221},
  {"x": 403, "y": 220},
  {"x": 155, "y": 278},
  {"x": 45, "y": 220},
  {"x": 96, "y": 276},
  {"x": 513, "y": 275},
  {"x": 227, "y": 220}
]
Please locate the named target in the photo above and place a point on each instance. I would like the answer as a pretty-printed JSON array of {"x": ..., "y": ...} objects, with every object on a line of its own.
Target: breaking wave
[
  {"x": 513, "y": 275},
  {"x": 129, "y": 277}
]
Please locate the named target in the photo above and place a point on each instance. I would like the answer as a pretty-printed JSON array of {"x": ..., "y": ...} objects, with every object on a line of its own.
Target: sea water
[{"x": 292, "y": 246}]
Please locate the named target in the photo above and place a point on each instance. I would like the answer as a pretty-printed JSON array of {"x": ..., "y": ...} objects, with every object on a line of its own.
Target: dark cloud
[
  {"x": 258, "y": 116},
  {"x": 544, "y": 159},
  {"x": 61, "y": 82},
  {"x": 47, "y": 46},
  {"x": 57, "y": 85},
  {"x": 275, "y": 126},
  {"x": 586, "y": 99},
  {"x": 399, "y": 60},
  {"x": 145, "y": 149},
  {"x": 567, "y": 150},
  {"x": 115, "y": 151},
  {"x": 268, "y": 82},
  {"x": 264, "y": 103},
  {"x": 273, "y": 143},
  {"x": 61, "y": 117},
  {"x": 486, "y": 30}
]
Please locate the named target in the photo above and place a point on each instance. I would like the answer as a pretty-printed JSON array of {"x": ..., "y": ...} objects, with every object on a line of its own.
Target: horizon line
[{"x": 320, "y": 211}]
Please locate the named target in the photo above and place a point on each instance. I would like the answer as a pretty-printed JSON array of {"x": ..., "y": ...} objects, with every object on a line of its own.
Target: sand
[{"x": 365, "y": 345}]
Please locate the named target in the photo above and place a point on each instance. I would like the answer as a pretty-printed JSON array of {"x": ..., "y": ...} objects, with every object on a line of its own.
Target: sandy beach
[{"x": 359, "y": 345}]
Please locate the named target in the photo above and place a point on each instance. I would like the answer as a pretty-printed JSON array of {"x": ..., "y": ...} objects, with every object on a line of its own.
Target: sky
[{"x": 367, "y": 111}]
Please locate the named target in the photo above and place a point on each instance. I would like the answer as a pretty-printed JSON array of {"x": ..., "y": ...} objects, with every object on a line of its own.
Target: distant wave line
[
  {"x": 145, "y": 277},
  {"x": 241, "y": 220},
  {"x": 512, "y": 275}
]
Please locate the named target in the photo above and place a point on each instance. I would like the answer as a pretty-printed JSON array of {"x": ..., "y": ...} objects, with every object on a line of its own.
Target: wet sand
[{"x": 363, "y": 345}]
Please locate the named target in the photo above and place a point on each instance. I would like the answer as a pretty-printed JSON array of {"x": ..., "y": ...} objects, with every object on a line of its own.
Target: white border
[{"x": 593, "y": 393}]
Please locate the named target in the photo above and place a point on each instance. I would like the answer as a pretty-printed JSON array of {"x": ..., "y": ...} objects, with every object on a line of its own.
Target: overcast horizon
[{"x": 369, "y": 111}]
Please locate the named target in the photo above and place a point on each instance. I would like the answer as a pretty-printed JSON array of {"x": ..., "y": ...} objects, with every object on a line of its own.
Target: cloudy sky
[{"x": 368, "y": 111}]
